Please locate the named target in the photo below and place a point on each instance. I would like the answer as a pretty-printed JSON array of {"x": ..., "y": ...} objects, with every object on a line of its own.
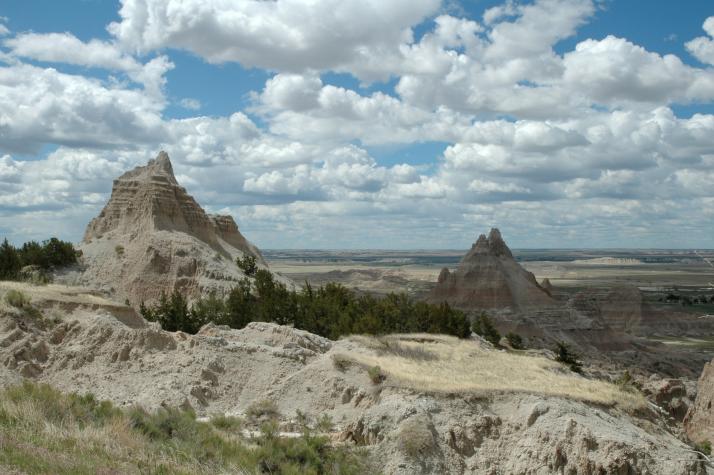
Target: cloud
[
  {"x": 41, "y": 106},
  {"x": 68, "y": 49},
  {"x": 702, "y": 47},
  {"x": 190, "y": 104},
  {"x": 581, "y": 147},
  {"x": 285, "y": 35},
  {"x": 301, "y": 107},
  {"x": 614, "y": 70}
]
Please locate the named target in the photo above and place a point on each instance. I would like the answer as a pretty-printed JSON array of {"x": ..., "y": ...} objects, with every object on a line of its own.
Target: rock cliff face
[
  {"x": 699, "y": 422},
  {"x": 488, "y": 277},
  {"x": 153, "y": 237}
]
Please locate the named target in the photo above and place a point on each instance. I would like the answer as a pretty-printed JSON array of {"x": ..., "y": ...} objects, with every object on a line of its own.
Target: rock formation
[
  {"x": 547, "y": 286},
  {"x": 699, "y": 422},
  {"x": 153, "y": 237},
  {"x": 488, "y": 277}
]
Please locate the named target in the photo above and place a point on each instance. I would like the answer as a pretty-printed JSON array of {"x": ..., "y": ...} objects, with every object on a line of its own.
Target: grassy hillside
[{"x": 43, "y": 431}]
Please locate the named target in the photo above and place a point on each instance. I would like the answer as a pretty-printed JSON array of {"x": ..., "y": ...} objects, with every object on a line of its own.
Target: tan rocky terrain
[
  {"x": 436, "y": 405},
  {"x": 488, "y": 277},
  {"x": 153, "y": 237}
]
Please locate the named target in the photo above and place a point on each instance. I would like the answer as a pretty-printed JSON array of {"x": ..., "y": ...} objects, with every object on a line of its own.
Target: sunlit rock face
[{"x": 153, "y": 237}]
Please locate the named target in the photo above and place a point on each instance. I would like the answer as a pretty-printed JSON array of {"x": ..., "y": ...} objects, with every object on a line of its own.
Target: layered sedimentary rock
[
  {"x": 153, "y": 237},
  {"x": 699, "y": 422},
  {"x": 488, "y": 277},
  {"x": 619, "y": 308}
]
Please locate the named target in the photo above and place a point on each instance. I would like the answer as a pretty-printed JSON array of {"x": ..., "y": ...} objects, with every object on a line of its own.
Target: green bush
[
  {"x": 17, "y": 299},
  {"x": 563, "y": 354},
  {"x": 119, "y": 250},
  {"x": 226, "y": 423},
  {"x": 247, "y": 264},
  {"x": 704, "y": 447},
  {"x": 375, "y": 374},
  {"x": 483, "y": 327},
  {"x": 515, "y": 340}
]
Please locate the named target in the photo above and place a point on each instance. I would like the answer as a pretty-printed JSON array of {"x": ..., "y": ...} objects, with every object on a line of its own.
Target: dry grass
[
  {"x": 43, "y": 431},
  {"x": 462, "y": 366},
  {"x": 55, "y": 293}
]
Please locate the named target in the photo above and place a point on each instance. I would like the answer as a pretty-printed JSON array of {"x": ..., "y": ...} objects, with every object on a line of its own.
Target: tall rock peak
[
  {"x": 488, "y": 277},
  {"x": 163, "y": 162},
  {"x": 152, "y": 236},
  {"x": 493, "y": 245}
]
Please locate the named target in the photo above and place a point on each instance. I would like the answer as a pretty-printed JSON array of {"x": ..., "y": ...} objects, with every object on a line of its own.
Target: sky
[{"x": 343, "y": 124}]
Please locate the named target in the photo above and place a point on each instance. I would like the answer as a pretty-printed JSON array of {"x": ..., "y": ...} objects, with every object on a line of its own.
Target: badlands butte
[{"x": 427, "y": 396}]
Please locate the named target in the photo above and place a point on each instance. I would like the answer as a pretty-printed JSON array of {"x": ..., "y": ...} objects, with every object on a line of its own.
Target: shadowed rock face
[
  {"x": 488, "y": 277},
  {"x": 699, "y": 422},
  {"x": 153, "y": 237}
]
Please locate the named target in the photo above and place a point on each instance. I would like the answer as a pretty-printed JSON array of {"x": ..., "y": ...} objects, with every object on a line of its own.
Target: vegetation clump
[
  {"x": 704, "y": 447},
  {"x": 17, "y": 299},
  {"x": 330, "y": 311},
  {"x": 375, "y": 375},
  {"x": 564, "y": 355},
  {"x": 50, "y": 254},
  {"x": 483, "y": 326},
  {"x": 46, "y": 432},
  {"x": 262, "y": 411},
  {"x": 247, "y": 264},
  {"x": 515, "y": 340}
]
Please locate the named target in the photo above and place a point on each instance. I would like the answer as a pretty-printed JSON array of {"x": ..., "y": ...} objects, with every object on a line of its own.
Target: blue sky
[{"x": 566, "y": 123}]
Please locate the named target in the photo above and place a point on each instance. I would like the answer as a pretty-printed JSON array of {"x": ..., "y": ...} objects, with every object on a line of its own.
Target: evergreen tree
[
  {"x": 483, "y": 326},
  {"x": 10, "y": 263}
]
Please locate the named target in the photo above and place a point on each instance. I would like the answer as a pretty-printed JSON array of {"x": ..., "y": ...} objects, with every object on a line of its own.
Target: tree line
[
  {"x": 49, "y": 254},
  {"x": 331, "y": 310}
]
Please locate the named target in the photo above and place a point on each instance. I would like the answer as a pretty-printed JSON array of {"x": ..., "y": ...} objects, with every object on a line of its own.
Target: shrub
[
  {"x": 247, "y": 264},
  {"x": 341, "y": 362},
  {"x": 515, "y": 340},
  {"x": 704, "y": 447},
  {"x": 17, "y": 299},
  {"x": 226, "y": 423},
  {"x": 375, "y": 374},
  {"x": 119, "y": 250},
  {"x": 483, "y": 327},
  {"x": 564, "y": 355},
  {"x": 263, "y": 410},
  {"x": 415, "y": 436}
]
